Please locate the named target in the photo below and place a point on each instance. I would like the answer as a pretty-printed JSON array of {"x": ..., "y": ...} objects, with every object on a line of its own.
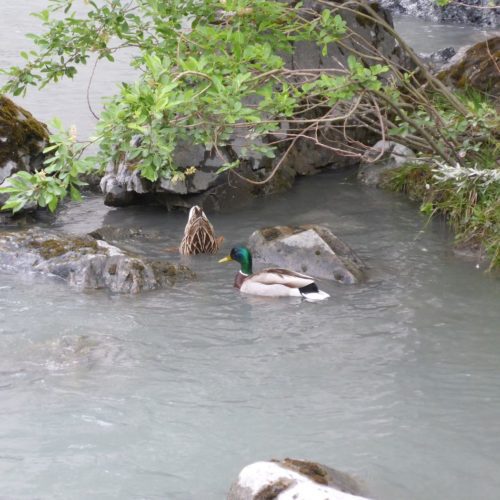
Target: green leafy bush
[{"x": 208, "y": 71}]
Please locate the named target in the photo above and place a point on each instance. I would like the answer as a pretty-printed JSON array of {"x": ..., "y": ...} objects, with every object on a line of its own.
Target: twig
[{"x": 88, "y": 89}]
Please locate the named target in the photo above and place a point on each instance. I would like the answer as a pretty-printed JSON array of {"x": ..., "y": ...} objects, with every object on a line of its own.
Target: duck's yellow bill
[{"x": 225, "y": 259}]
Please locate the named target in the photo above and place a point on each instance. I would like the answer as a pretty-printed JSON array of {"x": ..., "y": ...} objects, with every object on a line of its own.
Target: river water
[{"x": 170, "y": 393}]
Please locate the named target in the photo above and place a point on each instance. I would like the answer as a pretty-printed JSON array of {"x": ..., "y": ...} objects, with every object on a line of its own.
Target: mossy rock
[
  {"x": 86, "y": 263},
  {"x": 292, "y": 478},
  {"x": 475, "y": 67},
  {"x": 22, "y": 138}
]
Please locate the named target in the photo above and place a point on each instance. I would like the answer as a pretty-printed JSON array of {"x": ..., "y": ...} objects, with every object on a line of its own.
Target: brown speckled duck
[{"x": 199, "y": 234}]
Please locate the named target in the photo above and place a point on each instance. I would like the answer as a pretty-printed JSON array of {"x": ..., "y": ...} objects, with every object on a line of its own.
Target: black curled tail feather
[{"x": 311, "y": 288}]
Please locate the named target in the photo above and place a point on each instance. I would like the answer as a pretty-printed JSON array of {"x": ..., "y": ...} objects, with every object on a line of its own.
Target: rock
[
  {"x": 122, "y": 184},
  {"x": 22, "y": 140},
  {"x": 436, "y": 60},
  {"x": 477, "y": 13},
  {"x": 309, "y": 249},
  {"x": 475, "y": 66},
  {"x": 86, "y": 263},
  {"x": 113, "y": 233},
  {"x": 374, "y": 164},
  {"x": 293, "y": 479}
]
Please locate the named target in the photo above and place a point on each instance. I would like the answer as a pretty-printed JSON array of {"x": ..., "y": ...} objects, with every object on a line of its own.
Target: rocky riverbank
[
  {"x": 85, "y": 262},
  {"x": 477, "y": 12}
]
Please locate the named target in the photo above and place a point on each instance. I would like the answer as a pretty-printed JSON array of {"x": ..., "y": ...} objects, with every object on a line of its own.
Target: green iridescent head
[{"x": 241, "y": 255}]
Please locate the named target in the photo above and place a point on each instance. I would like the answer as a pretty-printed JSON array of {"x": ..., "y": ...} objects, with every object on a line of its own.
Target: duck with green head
[{"x": 274, "y": 282}]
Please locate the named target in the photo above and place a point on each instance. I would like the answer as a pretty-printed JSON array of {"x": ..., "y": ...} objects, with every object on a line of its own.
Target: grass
[{"x": 471, "y": 207}]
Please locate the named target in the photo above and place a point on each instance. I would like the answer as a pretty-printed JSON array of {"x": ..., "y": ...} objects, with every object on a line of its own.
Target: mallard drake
[
  {"x": 199, "y": 234},
  {"x": 272, "y": 282}
]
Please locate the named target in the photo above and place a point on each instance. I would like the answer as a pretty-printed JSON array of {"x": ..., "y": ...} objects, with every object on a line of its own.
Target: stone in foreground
[
  {"x": 293, "y": 479},
  {"x": 309, "y": 249},
  {"x": 85, "y": 263}
]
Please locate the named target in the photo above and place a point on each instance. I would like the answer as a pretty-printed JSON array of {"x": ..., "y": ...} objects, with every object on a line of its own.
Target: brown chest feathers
[{"x": 239, "y": 279}]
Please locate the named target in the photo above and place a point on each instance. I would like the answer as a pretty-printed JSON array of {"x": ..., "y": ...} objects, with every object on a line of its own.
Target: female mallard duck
[
  {"x": 199, "y": 234},
  {"x": 272, "y": 282}
]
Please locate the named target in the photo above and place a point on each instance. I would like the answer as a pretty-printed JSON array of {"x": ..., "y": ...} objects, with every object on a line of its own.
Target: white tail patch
[{"x": 314, "y": 296}]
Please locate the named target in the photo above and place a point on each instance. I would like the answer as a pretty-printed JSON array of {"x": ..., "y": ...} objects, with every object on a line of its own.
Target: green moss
[
  {"x": 411, "y": 179},
  {"x": 311, "y": 470},
  {"x": 49, "y": 249},
  {"x": 271, "y": 491},
  {"x": 164, "y": 270},
  {"x": 270, "y": 233}
]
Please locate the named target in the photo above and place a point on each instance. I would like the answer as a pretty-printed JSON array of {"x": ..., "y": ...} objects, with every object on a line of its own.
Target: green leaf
[
  {"x": 325, "y": 16},
  {"x": 228, "y": 166},
  {"x": 52, "y": 204},
  {"x": 352, "y": 62},
  {"x": 75, "y": 194}
]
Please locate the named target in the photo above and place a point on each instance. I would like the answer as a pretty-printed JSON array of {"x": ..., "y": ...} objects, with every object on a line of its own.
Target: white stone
[{"x": 259, "y": 475}]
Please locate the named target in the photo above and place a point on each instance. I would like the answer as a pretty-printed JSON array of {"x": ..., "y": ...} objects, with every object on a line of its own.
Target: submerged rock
[
  {"x": 293, "y": 479},
  {"x": 86, "y": 263},
  {"x": 114, "y": 233},
  {"x": 309, "y": 249},
  {"x": 475, "y": 66},
  {"x": 122, "y": 184},
  {"x": 384, "y": 156}
]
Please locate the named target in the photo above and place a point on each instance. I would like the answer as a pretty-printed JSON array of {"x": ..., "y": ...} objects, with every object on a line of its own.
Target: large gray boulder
[
  {"x": 309, "y": 249},
  {"x": 85, "y": 263},
  {"x": 122, "y": 184},
  {"x": 381, "y": 158},
  {"x": 292, "y": 479}
]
